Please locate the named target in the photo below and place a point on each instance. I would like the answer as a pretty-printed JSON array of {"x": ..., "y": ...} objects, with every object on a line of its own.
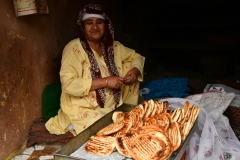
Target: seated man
[{"x": 97, "y": 74}]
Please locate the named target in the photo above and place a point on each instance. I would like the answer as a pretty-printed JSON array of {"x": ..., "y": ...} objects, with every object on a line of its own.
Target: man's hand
[
  {"x": 114, "y": 82},
  {"x": 131, "y": 76}
]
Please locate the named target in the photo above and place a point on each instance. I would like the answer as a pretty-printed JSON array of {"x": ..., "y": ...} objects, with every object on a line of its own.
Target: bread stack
[{"x": 149, "y": 131}]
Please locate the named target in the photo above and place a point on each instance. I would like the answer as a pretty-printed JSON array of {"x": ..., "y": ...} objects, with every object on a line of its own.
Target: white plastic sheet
[{"x": 214, "y": 138}]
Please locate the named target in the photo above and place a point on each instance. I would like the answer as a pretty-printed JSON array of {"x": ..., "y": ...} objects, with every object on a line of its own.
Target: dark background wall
[
  {"x": 199, "y": 40},
  {"x": 196, "y": 39}
]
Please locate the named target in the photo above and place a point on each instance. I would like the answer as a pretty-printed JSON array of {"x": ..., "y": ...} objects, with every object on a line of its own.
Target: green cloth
[{"x": 51, "y": 100}]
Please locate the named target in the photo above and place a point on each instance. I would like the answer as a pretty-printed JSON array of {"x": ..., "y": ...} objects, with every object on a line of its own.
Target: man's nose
[{"x": 95, "y": 26}]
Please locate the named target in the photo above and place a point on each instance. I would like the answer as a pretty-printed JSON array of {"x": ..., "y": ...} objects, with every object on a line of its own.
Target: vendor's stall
[{"x": 211, "y": 135}]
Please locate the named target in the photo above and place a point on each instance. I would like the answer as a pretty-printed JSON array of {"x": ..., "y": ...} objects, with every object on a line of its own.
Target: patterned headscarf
[{"x": 107, "y": 50}]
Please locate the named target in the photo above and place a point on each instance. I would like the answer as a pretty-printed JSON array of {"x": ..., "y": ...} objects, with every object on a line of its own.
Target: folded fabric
[
  {"x": 39, "y": 134},
  {"x": 167, "y": 87},
  {"x": 221, "y": 88}
]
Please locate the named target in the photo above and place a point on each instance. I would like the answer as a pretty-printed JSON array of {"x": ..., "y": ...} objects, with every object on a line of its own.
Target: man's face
[{"x": 94, "y": 28}]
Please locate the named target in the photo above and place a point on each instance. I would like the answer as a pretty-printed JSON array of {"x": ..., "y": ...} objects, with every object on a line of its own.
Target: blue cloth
[{"x": 167, "y": 87}]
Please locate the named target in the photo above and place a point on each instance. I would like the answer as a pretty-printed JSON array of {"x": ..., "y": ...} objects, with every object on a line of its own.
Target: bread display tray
[{"x": 64, "y": 153}]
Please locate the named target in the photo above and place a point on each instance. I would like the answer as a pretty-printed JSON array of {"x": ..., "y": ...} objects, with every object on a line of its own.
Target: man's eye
[{"x": 99, "y": 22}]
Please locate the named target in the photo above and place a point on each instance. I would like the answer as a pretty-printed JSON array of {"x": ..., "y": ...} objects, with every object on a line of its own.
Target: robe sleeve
[
  {"x": 129, "y": 55},
  {"x": 72, "y": 70}
]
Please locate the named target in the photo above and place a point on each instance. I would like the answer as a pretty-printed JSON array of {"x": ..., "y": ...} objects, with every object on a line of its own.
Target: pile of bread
[{"x": 150, "y": 131}]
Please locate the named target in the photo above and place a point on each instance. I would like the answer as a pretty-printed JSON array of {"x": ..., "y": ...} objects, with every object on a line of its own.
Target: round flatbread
[
  {"x": 112, "y": 128},
  {"x": 151, "y": 146},
  {"x": 101, "y": 145},
  {"x": 162, "y": 120},
  {"x": 149, "y": 121},
  {"x": 118, "y": 116},
  {"x": 148, "y": 110},
  {"x": 123, "y": 142},
  {"x": 165, "y": 106},
  {"x": 150, "y": 128},
  {"x": 186, "y": 107},
  {"x": 174, "y": 135},
  {"x": 154, "y": 108}
]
